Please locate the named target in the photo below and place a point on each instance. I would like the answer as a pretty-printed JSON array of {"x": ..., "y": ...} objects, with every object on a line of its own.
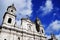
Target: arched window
[
  {"x": 9, "y": 20},
  {"x": 42, "y": 31},
  {"x": 11, "y": 10},
  {"x": 40, "y": 38},
  {"x": 4, "y": 39},
  {"x": 18, "y": 38}
]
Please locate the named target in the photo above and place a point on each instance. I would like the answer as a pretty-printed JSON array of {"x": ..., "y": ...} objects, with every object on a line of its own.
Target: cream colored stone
[{"x": 27, "y": 30}]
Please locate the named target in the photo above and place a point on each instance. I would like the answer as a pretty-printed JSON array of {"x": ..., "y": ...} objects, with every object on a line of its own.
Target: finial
[
  {"x": 37, "y": 19},
  {"x": 12, "y": 4}
]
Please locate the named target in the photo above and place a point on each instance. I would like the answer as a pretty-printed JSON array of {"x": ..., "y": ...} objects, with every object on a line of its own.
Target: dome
[{"x": 11, "y": 6}]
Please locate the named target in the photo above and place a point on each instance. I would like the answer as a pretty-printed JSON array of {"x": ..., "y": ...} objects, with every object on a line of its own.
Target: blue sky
[{"x": 48, "y": 11}]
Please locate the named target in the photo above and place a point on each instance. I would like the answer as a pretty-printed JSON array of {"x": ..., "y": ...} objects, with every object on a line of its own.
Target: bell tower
[{"x": 9, "y": 17}]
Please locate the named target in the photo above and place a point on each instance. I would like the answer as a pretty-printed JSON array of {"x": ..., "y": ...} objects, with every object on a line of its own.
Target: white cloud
[
  {"x": 23, "y": 6},
  {"x": 57, "y": 36},
  {"x": 48, "y": 7},
  {"x": 55, "y": 25}
]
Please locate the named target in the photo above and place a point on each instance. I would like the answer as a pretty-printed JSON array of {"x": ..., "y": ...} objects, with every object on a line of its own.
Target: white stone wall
[
  {"x": 29, "y": 35},
  {"x": 28, "y": 25},
  {"x": 9, "y": 11},
  {"x": 32, "y": 30},
  {"x": 9, "y": 35},
  {"x": 13, "y": 35},
  {"x": 6, "y": 20},
  {"x": 4, "y": 34}
]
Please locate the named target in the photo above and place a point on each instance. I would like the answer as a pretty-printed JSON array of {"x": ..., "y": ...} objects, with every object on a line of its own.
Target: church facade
[{"x": 27, "y": 31}]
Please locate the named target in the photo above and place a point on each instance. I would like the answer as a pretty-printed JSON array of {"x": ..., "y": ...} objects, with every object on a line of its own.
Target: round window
[{"x": 11, "y": 10}]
